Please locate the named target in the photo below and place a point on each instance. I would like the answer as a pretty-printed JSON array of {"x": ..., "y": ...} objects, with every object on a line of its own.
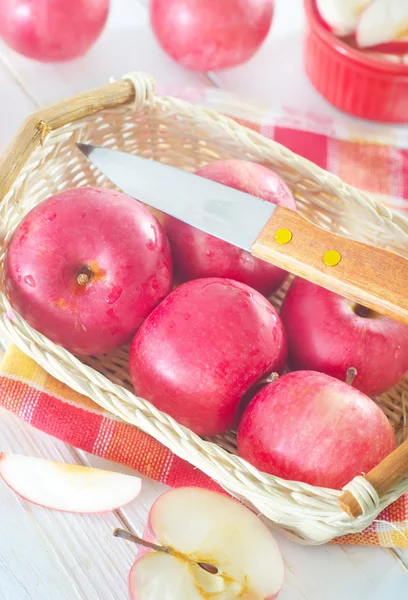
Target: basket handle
[
  {"x": 48, "y": 119},
  {"x": 389, "y": 473}
]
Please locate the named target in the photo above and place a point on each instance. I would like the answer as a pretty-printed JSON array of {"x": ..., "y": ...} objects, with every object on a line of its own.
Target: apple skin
[
  {"x": 205, "y": 35},
  {"x": 117, "y": 239},
  {"x": 198, "y": 254},
  {"x": 325, "y": 334},
  {"x": 202, "y": 348},
  {"x": 310, "y": 427}
]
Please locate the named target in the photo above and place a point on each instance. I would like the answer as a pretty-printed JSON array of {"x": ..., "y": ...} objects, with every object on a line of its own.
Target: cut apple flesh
[
  {"x": 342, "y": 15},
  {"x": 207, "y": 527},
  {"x": 66, "y": 487},
  {"x": 382, "y": 22}
]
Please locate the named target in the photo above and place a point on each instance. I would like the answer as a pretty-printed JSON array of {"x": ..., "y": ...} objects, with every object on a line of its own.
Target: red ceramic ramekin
[{"x": 351, "y": 80}]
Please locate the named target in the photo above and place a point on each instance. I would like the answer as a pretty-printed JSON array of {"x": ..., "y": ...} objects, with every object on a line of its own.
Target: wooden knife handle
[
  {"x": 375, "y": 278},
  {"x": 383, "y": 477}
]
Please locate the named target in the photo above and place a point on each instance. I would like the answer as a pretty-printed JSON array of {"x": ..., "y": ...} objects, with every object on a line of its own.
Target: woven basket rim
[{"x": 138, "y": 90}]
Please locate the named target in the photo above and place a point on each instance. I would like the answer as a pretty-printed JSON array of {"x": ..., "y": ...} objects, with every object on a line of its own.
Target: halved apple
[
  {"x": 384, "y": 26},
  {"x": 66, "y": 487},
  {"x": 203, "y": 526}
]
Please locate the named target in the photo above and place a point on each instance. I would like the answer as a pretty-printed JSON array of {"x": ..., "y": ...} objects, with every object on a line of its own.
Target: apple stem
[
  {"x": 130, "y": 537},
  {"x": 269, "y": 379},
  {"x": 351, "y": 375}
]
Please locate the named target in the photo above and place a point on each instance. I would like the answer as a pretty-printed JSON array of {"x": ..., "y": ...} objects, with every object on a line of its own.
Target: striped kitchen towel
[{"x": 49, "y": 405}]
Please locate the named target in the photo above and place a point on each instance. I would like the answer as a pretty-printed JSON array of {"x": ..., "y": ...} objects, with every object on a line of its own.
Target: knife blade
[{"x": 375, "y": 278}]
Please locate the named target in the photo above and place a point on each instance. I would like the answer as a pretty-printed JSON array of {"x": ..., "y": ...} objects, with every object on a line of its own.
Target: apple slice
[
  {"x": 342, "y": 16},
  {"x": 384, "y": 24},
  {"x": 65, "y": 487},
  {"x": 199, "y": 526}
]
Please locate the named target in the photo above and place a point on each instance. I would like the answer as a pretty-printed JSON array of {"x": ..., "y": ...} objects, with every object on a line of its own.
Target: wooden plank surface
[{"x": 45, "y": 555}]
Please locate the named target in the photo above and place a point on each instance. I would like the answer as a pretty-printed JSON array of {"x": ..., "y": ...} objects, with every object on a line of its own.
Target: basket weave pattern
[{"x": 126, "y": 115}]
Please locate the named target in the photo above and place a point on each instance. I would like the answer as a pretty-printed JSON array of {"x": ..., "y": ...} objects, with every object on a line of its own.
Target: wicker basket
[{"x": 44, "y": 160}]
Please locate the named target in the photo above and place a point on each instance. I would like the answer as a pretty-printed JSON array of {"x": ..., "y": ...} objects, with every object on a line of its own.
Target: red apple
[
  {"x": 211, "y": 34},
  {"x": 310, "y": 427},
  {"x": 198, "y": 254},
  {"x": 329, "y": 333},
  {"x": 202, "y": 348},
  {"x": 86, "y": 266},
  {"x": 52, "y": 30}
]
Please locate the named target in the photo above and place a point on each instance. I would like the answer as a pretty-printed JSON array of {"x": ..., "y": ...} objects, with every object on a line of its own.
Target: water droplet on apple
[
  {"x": 50, "y": 216},
  {"x": 29, "y": 280},
  {"x": 114, "y": 295}
]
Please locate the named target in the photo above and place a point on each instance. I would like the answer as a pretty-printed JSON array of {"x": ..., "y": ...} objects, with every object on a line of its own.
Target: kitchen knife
[{"x": 375, "y": 278}]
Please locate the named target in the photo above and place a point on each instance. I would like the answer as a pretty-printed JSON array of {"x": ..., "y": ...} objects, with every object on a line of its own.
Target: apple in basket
[
  {"x": 198, "y": 254},
  {"x": 329, "y": 333},
  {"x": 86, "y": 266},
  {"x": 202, "y": 349},
  {"x": 238, "y": 555},
  {"x": 310, "y": 427}
]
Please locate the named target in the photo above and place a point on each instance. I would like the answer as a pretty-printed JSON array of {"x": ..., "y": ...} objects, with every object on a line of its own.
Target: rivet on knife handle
[
  {"x": 362, "y": 274},
  {"x": 331, "y": 258}
]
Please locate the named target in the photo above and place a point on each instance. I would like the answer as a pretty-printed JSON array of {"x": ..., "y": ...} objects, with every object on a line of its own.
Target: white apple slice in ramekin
[
  {"x": 384, "y": 22},
  {"x": 342, "y": 16}
]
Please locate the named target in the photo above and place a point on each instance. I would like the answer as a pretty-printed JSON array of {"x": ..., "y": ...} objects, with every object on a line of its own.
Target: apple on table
[
  {"x": 206, "y": 35},
  {"x": 67, "y": 487},
  {"x": 52, "y": 30}
]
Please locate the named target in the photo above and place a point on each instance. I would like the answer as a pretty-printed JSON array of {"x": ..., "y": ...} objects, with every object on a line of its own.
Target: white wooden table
[{"x": 45, "y": 555}]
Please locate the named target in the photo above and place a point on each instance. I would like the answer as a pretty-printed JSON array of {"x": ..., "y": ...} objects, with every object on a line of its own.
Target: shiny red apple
[
  {"x": 329, "y": 333},
  {"x": 86, "y": 266},
  {"x": 202, "y": 348},
  {"x": 198, "y": 254},
  {"x": 310, "y": 427},
  {"x": 52, "y": 30},
  {"x": 211, "y": 34}
]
